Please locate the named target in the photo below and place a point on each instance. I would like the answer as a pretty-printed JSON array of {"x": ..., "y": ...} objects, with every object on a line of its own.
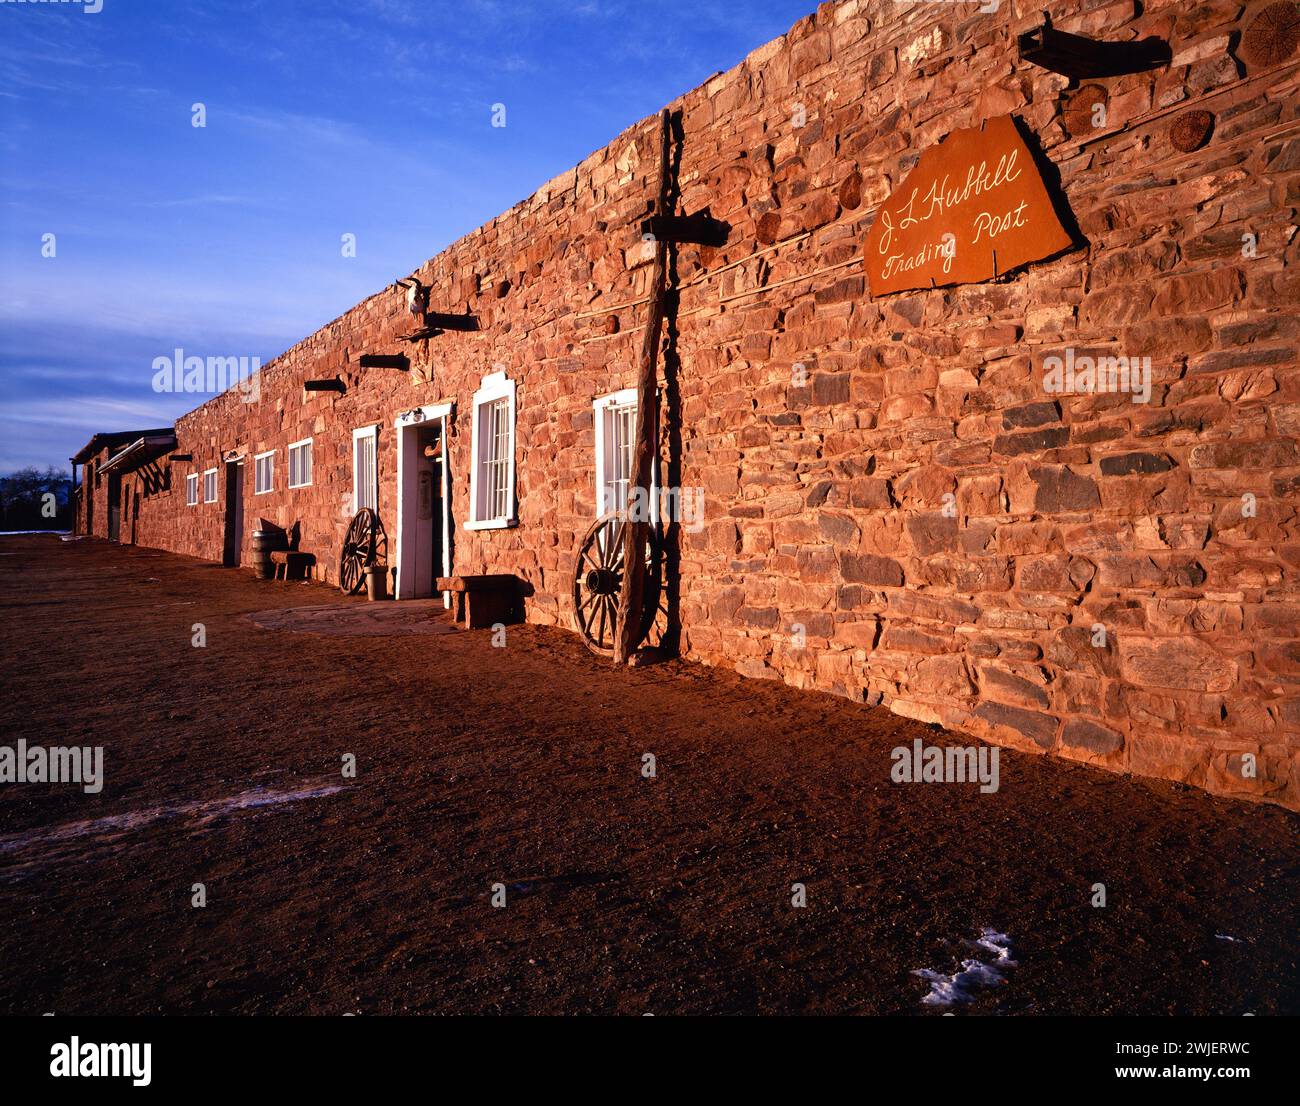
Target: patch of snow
[
  {"x": 974, "y": 974},
  {"x": 990, "y": 940},
  {"x": 52, "y": 844}
]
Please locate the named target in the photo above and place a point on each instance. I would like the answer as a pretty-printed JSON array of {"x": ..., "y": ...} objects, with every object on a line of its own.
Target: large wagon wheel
[
  {"x": 359, "y": 549},
  {"x": 598, "y": 579}
]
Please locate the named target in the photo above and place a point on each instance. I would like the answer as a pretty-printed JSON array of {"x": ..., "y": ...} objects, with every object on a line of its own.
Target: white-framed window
[
  {"x": 365, "y": 468},
  {"x": 492, "y": 476},
  {"x": 300, "y": 463},
  {"x": 614, "y": 417},
  {"x": 192, "y": 490},
  {"x": 209, "y": 485},
  {"x": 264, "y": 472}
]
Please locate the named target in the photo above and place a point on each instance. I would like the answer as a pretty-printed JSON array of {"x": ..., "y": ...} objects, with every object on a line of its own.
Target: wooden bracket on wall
[
  {"x": 385, "y": 361},
  {"x": 1076, "y": 56},
  {"x": 701, "y": 229},
  {"x": 180, "y": 458},
  {"x": 334, "y": 385},
  {"x": 439, "y": 322},
  {"x": 444, "y": 320}
]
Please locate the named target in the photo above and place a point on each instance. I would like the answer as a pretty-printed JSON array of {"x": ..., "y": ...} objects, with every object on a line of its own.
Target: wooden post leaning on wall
[{"x": 636, "y": 529}]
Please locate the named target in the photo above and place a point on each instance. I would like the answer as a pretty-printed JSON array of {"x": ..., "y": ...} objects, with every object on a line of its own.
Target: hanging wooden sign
[{"x": 973, "y": 207}]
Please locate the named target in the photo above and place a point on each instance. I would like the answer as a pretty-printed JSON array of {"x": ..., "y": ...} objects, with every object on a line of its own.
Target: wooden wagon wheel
[
  {"x": 358, "y": 551},
  {"x": 598, "y": 579}
]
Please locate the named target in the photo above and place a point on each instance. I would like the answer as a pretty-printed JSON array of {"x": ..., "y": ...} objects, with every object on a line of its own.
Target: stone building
[
  {"x": 117, "y": 471},
  {"x": 903, "y": 501}
]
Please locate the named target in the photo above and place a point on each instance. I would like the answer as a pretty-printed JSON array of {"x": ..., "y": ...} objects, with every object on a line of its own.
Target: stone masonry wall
[
  {"x": 834, "y": 434},
  {"x": 93, "y": 504}
]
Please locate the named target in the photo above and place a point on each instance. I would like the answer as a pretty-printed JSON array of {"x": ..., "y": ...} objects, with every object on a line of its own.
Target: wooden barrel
[{"x": 264, "y": 543}]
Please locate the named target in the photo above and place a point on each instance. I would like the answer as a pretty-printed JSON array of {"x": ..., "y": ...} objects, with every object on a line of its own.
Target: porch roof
[
  {"x": 148, "y": 447},
  {"x": 114, "y": 440}
]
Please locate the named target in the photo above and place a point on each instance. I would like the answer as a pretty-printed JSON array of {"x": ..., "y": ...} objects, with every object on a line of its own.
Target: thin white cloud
[{"x": 210, "y": 200}]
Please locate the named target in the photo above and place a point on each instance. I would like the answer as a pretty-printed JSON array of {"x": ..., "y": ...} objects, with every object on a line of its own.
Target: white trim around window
[
  {"x": 192, "y": 490},
  {"x": 614, "y": 418},
  {"x": 492, "y": 471},
  {"x": 365, "y": 468},
  {"x": 209, "y": 485},
  {"x": 300, "y": 461},
  {"x": 264, "y": 472}
]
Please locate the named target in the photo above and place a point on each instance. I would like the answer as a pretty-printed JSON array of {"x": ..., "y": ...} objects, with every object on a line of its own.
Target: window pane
[
  {"x": 494, "y": 459},
  {"x": 300, "y": 465},
  {"x": 499, "y": 460},
  {"x": 619, "y": 432},
  {"x": 365, "y": 472}
]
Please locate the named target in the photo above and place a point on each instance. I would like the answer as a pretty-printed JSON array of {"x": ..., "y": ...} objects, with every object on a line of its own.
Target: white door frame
[{"x": 406, "y": 475}]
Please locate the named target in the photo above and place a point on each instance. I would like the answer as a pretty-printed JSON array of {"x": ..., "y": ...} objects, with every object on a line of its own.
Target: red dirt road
[{"x": 522, "y": 766}]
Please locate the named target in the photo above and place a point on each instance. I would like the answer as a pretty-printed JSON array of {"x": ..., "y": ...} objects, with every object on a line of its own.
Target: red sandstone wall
[
  {"x": 824, "y": 501},
  {"x": 93, "y": 516}
]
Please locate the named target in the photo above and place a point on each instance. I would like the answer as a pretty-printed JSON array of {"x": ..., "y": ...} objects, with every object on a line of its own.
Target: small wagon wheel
[
  {"x": 598, "y": 579},
  {"x": 358, "y": 551}
]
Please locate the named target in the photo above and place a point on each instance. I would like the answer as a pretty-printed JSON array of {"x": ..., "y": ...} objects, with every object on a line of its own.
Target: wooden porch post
[{"x": 636, "y": 529}]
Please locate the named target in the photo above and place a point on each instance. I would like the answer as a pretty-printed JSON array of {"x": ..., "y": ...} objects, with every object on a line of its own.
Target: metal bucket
[{"x": 377, "y": 581}]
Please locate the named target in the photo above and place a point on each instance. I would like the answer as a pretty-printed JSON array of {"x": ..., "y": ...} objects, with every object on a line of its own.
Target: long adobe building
[{"x": 979, "y": 390}]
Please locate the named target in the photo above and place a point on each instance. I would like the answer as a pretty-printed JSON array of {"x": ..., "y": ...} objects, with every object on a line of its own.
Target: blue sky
[{"x": 324, "y": 118}]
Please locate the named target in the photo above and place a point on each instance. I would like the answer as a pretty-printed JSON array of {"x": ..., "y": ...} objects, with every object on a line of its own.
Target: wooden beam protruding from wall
[
  {"x": 385, "y": 361},
  {"x": 1076, "y": 56},
  {"x": 700, "y": 229}
]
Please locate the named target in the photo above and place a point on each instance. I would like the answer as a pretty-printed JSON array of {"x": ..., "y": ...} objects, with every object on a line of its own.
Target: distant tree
[{"x": 35, "y": 500}]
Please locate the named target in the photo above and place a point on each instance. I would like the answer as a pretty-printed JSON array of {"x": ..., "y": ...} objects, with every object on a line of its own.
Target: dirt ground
[{"x": 522, "y": 766}]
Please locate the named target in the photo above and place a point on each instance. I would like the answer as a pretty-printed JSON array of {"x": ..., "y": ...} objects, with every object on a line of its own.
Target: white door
[{"x": 423, "y": 508}]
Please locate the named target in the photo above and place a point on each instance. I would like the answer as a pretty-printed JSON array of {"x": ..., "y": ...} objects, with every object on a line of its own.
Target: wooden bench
[
  {"x": 292, "y": 565},
  {"x": 483, "y": 601}
]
